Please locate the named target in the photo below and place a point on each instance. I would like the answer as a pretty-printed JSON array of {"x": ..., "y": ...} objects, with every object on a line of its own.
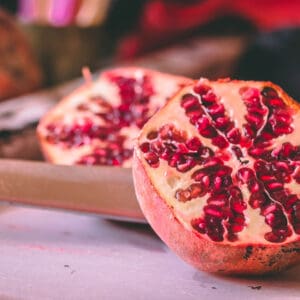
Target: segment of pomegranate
[
  {"x": 97, "y": 123},
  {"x": 220, "y": 175}
]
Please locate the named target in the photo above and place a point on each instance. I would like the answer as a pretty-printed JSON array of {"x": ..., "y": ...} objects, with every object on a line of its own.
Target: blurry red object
[{"x": 163, "y": 19}]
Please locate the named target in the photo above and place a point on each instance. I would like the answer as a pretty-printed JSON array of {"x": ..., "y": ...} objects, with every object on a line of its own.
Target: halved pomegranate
[
  {"x": 97, "y": 123},
  {"x": 217, "y": 175}
]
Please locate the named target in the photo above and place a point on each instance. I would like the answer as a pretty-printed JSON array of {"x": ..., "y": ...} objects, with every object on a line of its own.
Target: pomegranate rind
[
  {"x": 58, "y": 155},
  {"x": 193, "y": 247},
  {"x": 203, "y": 254}
]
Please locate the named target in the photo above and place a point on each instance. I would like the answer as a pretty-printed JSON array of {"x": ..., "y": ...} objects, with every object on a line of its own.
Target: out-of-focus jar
[{"x": 66, "y": 35}]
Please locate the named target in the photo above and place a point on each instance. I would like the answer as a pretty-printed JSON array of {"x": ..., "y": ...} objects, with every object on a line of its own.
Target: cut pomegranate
[
  {"x": 96, "y": 124},
  {"x": 225, "y": 177}
]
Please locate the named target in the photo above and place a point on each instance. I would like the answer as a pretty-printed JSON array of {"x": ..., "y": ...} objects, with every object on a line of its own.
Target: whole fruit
[{"x": 217, "y": 175}]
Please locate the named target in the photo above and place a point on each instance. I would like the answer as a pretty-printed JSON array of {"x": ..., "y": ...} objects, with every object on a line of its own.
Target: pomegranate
[
  {"x": 97, "y": 123},
  {"x": 19, "y": 71},
  {"x": 217, "y": 175}
]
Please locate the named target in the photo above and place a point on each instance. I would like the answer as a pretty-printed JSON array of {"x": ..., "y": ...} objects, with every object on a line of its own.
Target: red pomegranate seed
[
  {"x": 201, "y": 88},
  {"x": 222, "y": 123},
  {"x": 216, "y": 110},
  {"x": 238, "y": 205},
  {"x": 152, "y": 159},
  {"x": 220, "y": 142},
  {"x": 276, "y": 102},
  {"x": 245, "y": 175},
  {"x": 274, "y": 186},
  {"x": 234, "y": 136},
  {"x": 206, "y": 181},
  {"x": 256, "y": 152},
  {"x": 194, "y": 144},
  {"x": 218, "y": 200},
  {"x": 199, "y": 225},
  {"x": 269, "y": 209},
  {"x": 269, "y": 92},
  {"x": 189, "y": 101},
  {"x": 249, "y": 95},
  {"x": 205, "y": 128},
  {"x": 254, "y": 120},
  {"x": 209, "y": 97},
  {"x": 257, "y": 110},
  {"x": 145, "y": 147},
  {"x": 213, "y": 211},
  {"x": 186, "y": 165},
  {"x": 217, "y": 182}
]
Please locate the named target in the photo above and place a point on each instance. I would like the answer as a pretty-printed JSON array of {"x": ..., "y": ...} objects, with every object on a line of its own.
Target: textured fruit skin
[
  {"x": 204, "y": 254},
  {"x": 201, "y": 253}
]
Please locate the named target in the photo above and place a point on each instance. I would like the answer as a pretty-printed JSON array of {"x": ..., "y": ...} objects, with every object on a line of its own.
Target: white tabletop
[{"x": 56, "y": 255}]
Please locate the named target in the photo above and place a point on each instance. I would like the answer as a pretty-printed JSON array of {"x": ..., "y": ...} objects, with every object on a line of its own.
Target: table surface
[{"x": 57, "y": 255}]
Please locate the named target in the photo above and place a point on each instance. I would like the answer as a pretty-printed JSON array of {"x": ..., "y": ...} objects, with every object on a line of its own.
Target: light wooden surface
[{"x": 55, "y": 255}]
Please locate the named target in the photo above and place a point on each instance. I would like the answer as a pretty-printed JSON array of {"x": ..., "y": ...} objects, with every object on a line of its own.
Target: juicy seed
[
  {"x": 234, "y": 136},
  {"x": 188, "y": 101},
  {"x": 145, "y": 147},
  {"x": 245, "y": 175},
  {"x": 194, "y": 144},
  {"x": 220, "y": 142},
  {"x": 152, "y": 159},
  {"x": 205, "y": 128},
  {"x": 269, "y": 92},
  {"x": 201, "y": 88}
]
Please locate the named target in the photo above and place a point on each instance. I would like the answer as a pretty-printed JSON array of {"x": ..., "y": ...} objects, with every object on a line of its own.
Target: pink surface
[{"x": 56, "y": 255}]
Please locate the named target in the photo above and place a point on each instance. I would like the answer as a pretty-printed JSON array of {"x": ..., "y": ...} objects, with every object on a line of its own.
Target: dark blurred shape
[
  {"x": 19, "y": 71},
  {"x": 275, "y": 57},
  {"x": 163, "y": 21},
  {"x": 62, "y": 52},
  {"x": 9, "y": 5},
  {"x": 123, "y": 15},
  {"x": 132, "y": 46}
]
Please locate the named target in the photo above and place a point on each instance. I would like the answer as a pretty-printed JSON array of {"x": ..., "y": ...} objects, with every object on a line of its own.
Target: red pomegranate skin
[{"x": 248, "y": 256}]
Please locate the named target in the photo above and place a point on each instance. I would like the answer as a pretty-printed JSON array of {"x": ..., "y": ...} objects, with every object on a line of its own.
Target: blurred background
[{"x": 44, "y": 43}]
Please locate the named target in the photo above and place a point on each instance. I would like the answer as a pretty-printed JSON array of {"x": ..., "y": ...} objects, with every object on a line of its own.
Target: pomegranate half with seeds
[
  {"x": 217, "y": 175},
  {"x": 97, "y": 123}
]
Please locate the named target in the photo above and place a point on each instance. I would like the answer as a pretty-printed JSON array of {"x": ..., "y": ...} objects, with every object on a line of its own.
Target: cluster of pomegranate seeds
[
  {"x": 132, "y": 110},
  {"x": 135, "y": 95},
  {"x": 113, "y": 155},
  {"x": 264, "y": 167},
  {"x": 78, "y": 134},
  {"x": 214, "y": 179}
]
